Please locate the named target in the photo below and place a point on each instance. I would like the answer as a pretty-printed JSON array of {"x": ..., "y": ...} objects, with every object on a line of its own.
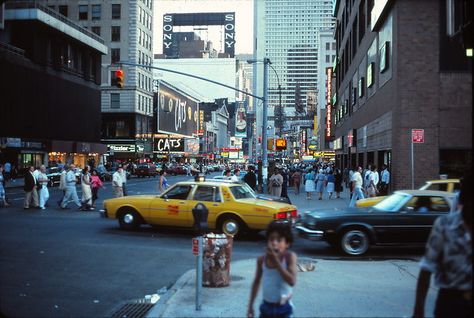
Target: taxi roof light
[{"x": 200, "y": 177}]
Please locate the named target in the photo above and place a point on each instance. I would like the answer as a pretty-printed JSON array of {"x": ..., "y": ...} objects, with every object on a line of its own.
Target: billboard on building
[
  {"x": 165, "y": 144},
  {"x": 241, "y": 121},
  {"x": 191, "y": 145},
  {"x": 178, "y": 114},
  {"x": 224, "y": 19}
]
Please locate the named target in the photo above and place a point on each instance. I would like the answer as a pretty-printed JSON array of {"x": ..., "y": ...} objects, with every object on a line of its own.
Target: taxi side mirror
[{"x": 165, "y": 197}]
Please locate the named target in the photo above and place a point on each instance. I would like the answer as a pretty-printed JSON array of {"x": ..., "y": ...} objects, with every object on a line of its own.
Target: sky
[{"x": 243, "y": 21}]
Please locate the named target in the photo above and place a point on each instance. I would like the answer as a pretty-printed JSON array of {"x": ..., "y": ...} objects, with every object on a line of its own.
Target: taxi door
[
  {"x": 211, "y": 197},
  {"x": 172, "y": 208}
]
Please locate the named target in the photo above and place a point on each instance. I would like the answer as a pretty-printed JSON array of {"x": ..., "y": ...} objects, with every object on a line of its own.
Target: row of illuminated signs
[
  {"x": 160, "y": 145},
  {"x": 328, "y": 102}
]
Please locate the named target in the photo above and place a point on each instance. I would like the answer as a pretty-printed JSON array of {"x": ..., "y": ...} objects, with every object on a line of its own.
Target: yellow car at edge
[
  {"x": 448, "y": 185},
  {"x": 233, "y": 208}
]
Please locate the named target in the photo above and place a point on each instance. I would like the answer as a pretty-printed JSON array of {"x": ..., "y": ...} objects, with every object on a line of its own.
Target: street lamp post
[
  {"x": 280, "y": 110},
  {"x": 266, "y": 61}
]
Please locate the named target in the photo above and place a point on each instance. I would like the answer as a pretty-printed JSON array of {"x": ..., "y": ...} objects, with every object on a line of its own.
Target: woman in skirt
[
  {"x": 309, "y": 184},
  {"x": 320, "y": 180},
  {"x": 330, "y": 180}
]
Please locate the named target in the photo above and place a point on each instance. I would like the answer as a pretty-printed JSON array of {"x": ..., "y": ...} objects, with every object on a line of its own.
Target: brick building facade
[{"x": 397, "y": 70}]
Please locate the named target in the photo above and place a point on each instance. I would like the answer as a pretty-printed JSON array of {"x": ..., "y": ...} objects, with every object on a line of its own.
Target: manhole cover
[
  {"x": 236, "y": 278},
  {"x": 132, "y": 310}
]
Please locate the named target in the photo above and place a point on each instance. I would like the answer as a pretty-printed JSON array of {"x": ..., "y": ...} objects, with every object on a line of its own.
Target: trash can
[{"x": 217, "y": 252}]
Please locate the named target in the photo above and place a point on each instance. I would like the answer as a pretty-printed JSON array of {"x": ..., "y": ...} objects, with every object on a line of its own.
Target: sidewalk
[
  {"x": 336, "y": 288},
  {"x": 333, "y": 289},
  {"x": 18, "y": 183}
]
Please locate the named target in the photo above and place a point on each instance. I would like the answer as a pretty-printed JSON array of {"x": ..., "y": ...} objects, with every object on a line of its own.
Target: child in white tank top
[{"x": 276, "y": 269}]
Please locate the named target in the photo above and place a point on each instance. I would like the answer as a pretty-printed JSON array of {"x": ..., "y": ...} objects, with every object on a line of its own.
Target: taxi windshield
[
  {"x": 242, "y": 192},
  {"x": 392, "y": 203}
]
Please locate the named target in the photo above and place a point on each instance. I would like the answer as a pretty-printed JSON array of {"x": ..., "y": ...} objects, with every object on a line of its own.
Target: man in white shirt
[
  {"x": 123, "y": 174},
  {"x": 62, "y": 183},
  {"x": 235, "y": 177},
  {"x": 117, "y": 182},
  {"x": 357, "y": 184},
  {"x": 71, "y": 193}
]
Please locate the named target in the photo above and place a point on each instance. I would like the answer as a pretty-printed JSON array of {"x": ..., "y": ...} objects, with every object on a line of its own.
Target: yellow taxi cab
[
  {"x": 448, "y": 185},
  {"x": 233, "y": 207}
]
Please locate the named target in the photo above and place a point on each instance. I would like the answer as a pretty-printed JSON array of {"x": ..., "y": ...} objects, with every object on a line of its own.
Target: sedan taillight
[{"x": 286, "y": 215}]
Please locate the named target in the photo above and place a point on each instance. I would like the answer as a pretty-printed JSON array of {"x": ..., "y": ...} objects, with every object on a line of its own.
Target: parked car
[
  {"x": 449, "y": 185},
  {"x": 54, "y": 176},
  {"x": 233, "y": 209},
  {"x": 403, "y": 218},
  {"x": 146, "y": 170}
]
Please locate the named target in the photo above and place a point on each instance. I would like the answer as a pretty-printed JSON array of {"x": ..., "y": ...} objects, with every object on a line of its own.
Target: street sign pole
[
  {"x": 199, "y": 274},
  {"x": 418, "y": 137}
]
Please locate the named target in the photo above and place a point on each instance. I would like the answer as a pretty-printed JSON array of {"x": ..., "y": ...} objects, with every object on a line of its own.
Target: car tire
[
  {"x": 129, "y": 220},
  {"x": 354, "y": 242},
  {"x": 231, "y": 225}
]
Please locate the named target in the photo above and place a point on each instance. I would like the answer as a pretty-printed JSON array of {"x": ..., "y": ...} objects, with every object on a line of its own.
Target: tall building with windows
[
  {"x": 286, "y": 31},
  {"x": 403, "y": 89},
  {"x": 126, "y": 27}
]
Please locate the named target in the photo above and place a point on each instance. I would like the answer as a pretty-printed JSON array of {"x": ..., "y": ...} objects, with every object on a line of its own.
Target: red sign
[
  {"x": 328, "y": 102},
  {"x": 195, "y": 246},
  {"x": 417, "y": 136}
]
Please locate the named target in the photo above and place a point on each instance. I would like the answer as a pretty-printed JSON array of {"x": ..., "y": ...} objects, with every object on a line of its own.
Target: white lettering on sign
[
  {"x": 179, "y": 114},
  {"x": 168, "y": 144},
  {"x": 229, "y": 17},
  {"x": 167, "y": 18},
  {"x": 167, "y": 27}
]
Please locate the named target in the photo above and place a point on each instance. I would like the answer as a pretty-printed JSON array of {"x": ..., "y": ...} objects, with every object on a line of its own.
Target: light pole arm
[{"x": 193, "y": 76}]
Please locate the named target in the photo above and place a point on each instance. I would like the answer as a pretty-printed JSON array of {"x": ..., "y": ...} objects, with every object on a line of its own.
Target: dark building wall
[
  {"x": 51, "y": 90},
  {"x": 40, "y": 104}
]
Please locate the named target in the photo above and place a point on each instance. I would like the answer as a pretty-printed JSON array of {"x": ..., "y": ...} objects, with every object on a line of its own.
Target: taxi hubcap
[
  {"x": 128, "y": 218},
  {"x": 230, "y": 227}
]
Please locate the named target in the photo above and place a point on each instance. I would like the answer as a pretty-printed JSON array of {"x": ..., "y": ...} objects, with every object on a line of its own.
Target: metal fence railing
[{"x": 32, "y": 4}]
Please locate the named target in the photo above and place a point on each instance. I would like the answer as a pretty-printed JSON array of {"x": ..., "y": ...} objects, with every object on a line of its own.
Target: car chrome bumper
[
  {"x": 103, "y": 214},
  {"x": 309, "y": 234}
]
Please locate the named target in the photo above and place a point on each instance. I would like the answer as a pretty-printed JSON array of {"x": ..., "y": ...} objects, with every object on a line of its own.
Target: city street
[{"x": 60, "y": 263}]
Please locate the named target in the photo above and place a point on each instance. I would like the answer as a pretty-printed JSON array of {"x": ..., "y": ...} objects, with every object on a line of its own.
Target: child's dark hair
[{"x": 282, "y": 228}]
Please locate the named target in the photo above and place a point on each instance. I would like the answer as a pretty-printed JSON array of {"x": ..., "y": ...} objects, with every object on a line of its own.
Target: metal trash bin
[{"x": 217, "y": 252}]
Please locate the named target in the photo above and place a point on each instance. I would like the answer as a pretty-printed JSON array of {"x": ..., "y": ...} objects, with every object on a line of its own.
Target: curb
[{"x": 162, "y": 304}]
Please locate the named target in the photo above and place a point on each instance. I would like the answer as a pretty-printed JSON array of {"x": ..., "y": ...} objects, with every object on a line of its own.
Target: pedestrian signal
[
  {"x": 119, "y": 78},
  {"x": 270, "y": 144}
]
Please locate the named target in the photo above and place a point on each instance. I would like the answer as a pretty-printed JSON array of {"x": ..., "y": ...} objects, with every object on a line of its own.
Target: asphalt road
[{"x": 59, "y": 263}]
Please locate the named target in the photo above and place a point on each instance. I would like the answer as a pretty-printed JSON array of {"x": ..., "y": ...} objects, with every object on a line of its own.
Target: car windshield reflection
[{"x": 393, "y": 203}]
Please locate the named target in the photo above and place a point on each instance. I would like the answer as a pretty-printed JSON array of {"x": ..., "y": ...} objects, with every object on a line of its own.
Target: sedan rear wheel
[
  {"x": 129, "y": 220},
  {"x": 231, "y": 225},
  {"x": 355, "y": 242}
]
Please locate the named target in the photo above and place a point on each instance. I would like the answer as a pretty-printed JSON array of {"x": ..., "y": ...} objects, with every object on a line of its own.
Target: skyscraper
[
  {"x": 126, "y": 27},
  {"x": 286, "y": 31}
]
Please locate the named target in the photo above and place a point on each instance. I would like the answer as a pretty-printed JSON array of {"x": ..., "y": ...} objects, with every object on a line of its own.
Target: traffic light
[
  {"x": 281, "y": 144},
  {"x": 119, "y": 78}
]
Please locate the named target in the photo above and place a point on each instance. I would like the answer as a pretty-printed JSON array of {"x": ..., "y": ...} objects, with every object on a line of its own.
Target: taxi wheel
[
  {"x": 355, "y": 242},
  {"x": 231, "y": 225},
  {"x": 129, "y": 220}
]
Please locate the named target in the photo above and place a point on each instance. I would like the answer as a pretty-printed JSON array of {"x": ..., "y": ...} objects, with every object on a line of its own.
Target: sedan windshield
[
  {"x": 242, "y": 192},
  {"x": 393, "y": 203}
]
